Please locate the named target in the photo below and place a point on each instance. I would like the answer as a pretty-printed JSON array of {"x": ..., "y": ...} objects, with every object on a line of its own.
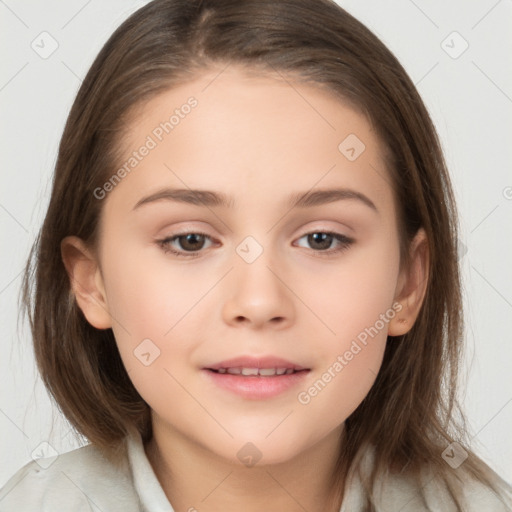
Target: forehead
[{"x": 248, "y": 135}]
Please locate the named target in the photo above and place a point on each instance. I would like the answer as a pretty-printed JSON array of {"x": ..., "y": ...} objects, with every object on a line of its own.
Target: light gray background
[{"x": 469, "y": 97}]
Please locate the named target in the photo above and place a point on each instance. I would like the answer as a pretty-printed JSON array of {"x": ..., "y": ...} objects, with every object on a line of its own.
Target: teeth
[
  {"x": 263, "y": 372},
  {"x": 267, "y": 371},
  {"x": 249, "y": 371}
]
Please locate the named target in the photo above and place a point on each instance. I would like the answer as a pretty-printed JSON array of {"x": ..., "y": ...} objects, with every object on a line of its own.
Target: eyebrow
[{"x": 209, "y": 198}]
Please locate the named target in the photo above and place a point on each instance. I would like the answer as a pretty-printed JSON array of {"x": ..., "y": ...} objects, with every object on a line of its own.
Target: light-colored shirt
[{"x": 83, "y": 480}]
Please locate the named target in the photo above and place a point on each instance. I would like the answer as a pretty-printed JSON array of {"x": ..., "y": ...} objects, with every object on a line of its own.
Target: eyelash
[{"x": 344, "y": 241}]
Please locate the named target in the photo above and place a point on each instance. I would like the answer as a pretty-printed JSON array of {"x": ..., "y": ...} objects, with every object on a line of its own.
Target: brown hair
[{"x": 409, "y": 414}]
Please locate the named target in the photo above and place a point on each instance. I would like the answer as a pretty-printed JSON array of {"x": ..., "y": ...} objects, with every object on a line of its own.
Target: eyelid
[
  {"x": 164, "y": 242},
  {"x": 341, "y": 238},
  {"x": 344, "y": 241}
]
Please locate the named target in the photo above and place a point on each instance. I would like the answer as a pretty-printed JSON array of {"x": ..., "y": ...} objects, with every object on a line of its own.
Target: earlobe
[
  {"x": 411, "y": 286},
  {"x": 86, "y": 281}
]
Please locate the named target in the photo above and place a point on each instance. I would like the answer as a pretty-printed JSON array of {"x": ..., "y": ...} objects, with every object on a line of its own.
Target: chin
[{"x": 259, "y": 452}]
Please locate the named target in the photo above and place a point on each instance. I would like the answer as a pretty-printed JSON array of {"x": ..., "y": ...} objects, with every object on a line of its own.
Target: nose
[{"x": 259, "y": 293}]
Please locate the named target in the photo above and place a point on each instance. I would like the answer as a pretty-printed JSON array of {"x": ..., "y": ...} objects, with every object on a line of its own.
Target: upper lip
[{"x": 256, "y": 362}]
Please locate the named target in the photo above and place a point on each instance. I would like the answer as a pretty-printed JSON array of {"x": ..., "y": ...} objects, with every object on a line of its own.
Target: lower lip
[{"x": 255, "y": 387}]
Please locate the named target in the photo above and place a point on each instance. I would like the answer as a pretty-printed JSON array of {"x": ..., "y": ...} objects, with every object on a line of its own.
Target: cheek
[
  {"x": 156, "y": 311},
  {"x": 349, "y": 362},
  {"x": 148, "y": 296},
  {"x": 348, "y": 297},
  {"x": 355, "y": 305}
]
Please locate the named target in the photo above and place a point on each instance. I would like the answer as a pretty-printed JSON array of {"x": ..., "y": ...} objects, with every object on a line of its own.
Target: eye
[
  {"x": 190, "y": 242},
  {"x": 323, "y": 240}
]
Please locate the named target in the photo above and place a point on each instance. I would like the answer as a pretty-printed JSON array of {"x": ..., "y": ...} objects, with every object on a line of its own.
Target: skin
[{"x": 257, "y": 139}]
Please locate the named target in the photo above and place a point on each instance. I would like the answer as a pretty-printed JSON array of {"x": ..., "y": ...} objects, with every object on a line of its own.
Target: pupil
[
  {"x": 321, "y": 237},
  {"x": 190, "y": 239}
]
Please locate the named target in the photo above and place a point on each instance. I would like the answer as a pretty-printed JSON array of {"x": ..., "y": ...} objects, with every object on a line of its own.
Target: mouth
[
  {"x": 256, "y": 366},
  {"x": 256, "y": 378},
  {"x": 256, "y": 372}
]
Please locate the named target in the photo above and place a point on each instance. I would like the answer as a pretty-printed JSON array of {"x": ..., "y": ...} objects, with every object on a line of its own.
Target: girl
[{"x": 303, "y": 355}]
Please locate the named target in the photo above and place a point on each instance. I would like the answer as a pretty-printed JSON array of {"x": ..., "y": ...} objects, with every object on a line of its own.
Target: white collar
[
  {"x": 151, "y": 494},
  {"x": 153, "y": 498}
]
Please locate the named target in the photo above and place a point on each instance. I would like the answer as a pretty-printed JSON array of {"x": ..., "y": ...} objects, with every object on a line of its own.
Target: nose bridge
[
  {"x": 259, "y": 293},
  {"x": 255, "y": 264}
]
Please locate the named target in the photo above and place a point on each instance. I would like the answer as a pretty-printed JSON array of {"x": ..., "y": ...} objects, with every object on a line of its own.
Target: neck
[{"x": 194, "y": 478}]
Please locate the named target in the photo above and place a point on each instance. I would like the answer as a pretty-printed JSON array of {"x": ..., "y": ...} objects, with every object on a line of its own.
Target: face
[{"x": 191, "y": 284}]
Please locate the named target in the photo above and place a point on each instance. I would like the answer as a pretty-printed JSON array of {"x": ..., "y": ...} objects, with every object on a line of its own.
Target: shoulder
[
  {"x": 479, "y": 496},
  {"x": 434, "y": 495},
  {"x": 79, "y": 480},
  {"x": 401, "y": 492}
]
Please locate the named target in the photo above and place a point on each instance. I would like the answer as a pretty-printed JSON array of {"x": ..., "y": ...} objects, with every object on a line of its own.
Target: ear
[
  {"x": 86, "y": 281},
  {"x": 411, "y": 286}
]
